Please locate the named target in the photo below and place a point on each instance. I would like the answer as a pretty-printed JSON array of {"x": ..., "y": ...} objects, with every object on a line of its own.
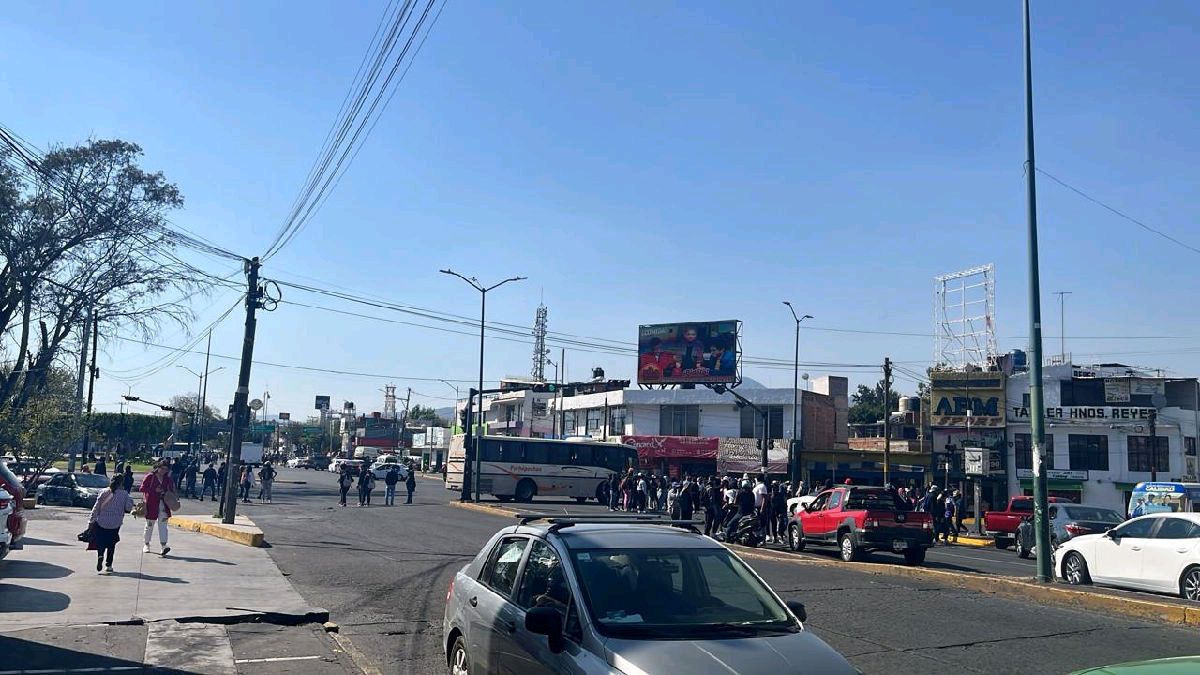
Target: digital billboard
[{"x": 688, "y": 353}]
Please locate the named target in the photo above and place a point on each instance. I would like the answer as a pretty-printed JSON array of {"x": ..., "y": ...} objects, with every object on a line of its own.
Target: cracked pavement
[{"x": 383, "y": 572}]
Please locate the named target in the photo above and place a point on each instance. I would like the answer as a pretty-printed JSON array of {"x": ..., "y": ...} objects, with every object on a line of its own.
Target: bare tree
[{"x": 83, "y": 228}]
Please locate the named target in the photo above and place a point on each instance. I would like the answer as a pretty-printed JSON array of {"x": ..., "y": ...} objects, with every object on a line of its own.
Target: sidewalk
[{"x": 181, "y": 612}]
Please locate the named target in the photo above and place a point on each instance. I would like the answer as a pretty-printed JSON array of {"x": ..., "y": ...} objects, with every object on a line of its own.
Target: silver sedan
[{"x": 563, "y": 595}]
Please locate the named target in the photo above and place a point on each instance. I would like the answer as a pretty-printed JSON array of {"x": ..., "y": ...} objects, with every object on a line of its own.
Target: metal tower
[
  {"x": 964, "y": 306},
  {"x": 389, "y": 401},
  {"x": 539, "y": 345}
]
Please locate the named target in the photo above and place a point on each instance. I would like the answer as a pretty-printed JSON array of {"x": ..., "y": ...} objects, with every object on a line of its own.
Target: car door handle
[
  {"x": 474, "y": 601},
  {"x": 1135, "y": 548},
  {"x": 1181, "y": 550}
]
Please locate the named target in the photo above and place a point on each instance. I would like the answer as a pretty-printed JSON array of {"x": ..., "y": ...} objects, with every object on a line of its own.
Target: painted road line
[
  {"x": 276, "y": 659},
  {"x": 360, "y": 660},
  {"x": 189, "y": 648},
  {"x": 103, "y": 669}
]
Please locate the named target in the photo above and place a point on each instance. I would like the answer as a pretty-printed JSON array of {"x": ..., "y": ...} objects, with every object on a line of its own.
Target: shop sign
[
  {"x": 1054, "y": 474},
  {"x": 662, "y": 447},
  {"x": 1085, "y": 413},
  {"x": 955, "y": 396},
  {"x": 1116, "y": 390}
]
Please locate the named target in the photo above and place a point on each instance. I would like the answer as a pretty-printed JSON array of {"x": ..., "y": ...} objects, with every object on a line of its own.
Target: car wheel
[
  {"x": 1189, "y": 587},
  {"x": 460, "y": 663},
  {"x": 848, "y": 548},
  {"x": 525, "y": 490},
  {"x": 914, "y": 556},
  {"x": 795, "y": 538},
  {"x": 1001, "y": 543},
  {"x": 1075, "y": 570}
]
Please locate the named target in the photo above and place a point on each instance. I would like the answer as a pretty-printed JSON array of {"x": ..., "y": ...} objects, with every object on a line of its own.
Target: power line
[{"x": 1118, "y": 213}]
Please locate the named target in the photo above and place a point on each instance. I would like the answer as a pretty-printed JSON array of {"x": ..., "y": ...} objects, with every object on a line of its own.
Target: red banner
[{"x": 674, "y": 447}]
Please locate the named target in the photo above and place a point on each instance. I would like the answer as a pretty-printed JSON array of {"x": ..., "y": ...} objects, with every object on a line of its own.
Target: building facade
[{"x": 1108, "y": 427}]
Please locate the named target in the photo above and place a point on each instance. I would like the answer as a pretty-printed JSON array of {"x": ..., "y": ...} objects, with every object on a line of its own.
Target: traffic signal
[{"x": 545, "y": 388}]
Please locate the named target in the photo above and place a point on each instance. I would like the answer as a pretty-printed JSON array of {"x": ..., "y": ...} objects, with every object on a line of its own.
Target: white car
[
  {"x": 796, "y": 503},
  {"x": 1158, "y": 552},
  {"x": 295, "y": 462},
  {"x": 385, "y": 463}
]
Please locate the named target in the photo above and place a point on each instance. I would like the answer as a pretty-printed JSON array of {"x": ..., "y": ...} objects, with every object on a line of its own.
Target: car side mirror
[
  {"x": 809, "y": 506},
  {"x": 546, "y": 621},
  {"x": 1113, "y": 534},
  {"x": 797, "y": 608}
]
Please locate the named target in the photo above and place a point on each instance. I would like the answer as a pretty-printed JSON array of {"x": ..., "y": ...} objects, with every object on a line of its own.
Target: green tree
[
  {"x": 427, "y": 416},
  {"x": 867, "y": 404}
]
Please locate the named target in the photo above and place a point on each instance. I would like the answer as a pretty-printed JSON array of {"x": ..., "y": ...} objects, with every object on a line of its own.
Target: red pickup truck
[
  {"x": 858, "y": 519},
  {"x": 1002, "y": 525}
]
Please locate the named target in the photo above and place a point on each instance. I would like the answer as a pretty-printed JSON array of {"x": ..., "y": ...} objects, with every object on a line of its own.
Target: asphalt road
[{"x": 383, "y": 573}]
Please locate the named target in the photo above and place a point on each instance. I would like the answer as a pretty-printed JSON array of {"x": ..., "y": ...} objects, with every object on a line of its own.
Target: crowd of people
[
  {"x": 364, "y": 477},
  {"x": 724, "y": 502}
]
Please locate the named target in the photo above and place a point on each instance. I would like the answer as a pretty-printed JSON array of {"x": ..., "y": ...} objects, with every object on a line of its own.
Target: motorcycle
[{"x": 749, "y": 532}]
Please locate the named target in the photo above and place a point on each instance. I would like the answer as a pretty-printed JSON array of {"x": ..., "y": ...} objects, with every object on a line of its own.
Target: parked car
[
  {"x": 1002, "y": 526},
  {"x": 1066, "y": 521},
  {"x": 295, "y": 462},
  {"x": 318, "y": 462},
  {"x": 565, "y": 595},
  {"x": 1159, "y": 552},
  {"x": 72, "y": 489},
  {"x": 796, "y": 503},
  {"x": 13, "y": 523},
  {"x": 857, "y": 519}
]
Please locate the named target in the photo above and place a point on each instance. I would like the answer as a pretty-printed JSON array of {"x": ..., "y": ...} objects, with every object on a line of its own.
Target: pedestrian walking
[
  {"x": 614, "y": 492},
  {"x": 389, "y": 481},
  {"x": 101, "y": 468},
  {"x": 159, "y": 493},
  {"x": 959, "y": 514},
  {"x": 247, "y": 482},
  {"x": 189, "y": 478},
  {"x": 643, "y": 490},
  {"x": 687, "y": 498},
  {"x": 128, "y": 484},
  {"x": 366, "y": 483},
  {"x": 410, "y": 482},
  {"x": 105, "y": 522},
  {"x": 209, "y": 483},
  {"x": 948, "y": 516},
  {"x": 345, "y": 482},
  {"x": 778, "y": 515},
  {"x": 176, "y": 467},
  {"x": 267, "y": 476}
]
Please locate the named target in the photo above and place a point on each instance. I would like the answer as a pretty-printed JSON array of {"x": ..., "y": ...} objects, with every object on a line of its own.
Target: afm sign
[{"x": 959, "y": 405}]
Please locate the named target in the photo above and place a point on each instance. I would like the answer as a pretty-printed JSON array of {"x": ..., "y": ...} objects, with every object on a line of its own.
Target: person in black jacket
[
  {"x": 745, "y": 508},
  {"x": 389, "y": 480},
  {"x": 128, "y": 478},
  {"x": 410, "y": 482},
  {"x": 778, "y": 500},
  {"x": 209, "y": 483}
]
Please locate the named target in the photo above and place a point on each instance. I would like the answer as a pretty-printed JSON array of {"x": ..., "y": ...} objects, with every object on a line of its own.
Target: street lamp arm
[
  {"x": 504, "y": 282},
  {"x": 473, "y": 282}
]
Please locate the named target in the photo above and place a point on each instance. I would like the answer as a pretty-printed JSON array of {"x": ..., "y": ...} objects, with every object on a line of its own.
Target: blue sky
[{"x": 645, "y": 162}]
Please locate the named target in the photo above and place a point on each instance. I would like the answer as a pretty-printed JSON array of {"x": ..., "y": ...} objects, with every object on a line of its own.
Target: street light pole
[
  {"x": 1036, "y": 401},
  {"x": 483, "y": 291},
  {"x": 797, "y": 442}
]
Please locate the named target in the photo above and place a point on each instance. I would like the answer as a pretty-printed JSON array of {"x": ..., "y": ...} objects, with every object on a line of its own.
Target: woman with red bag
[
  {"x": 105, "y": 522},
  {"x": 158, "y": 490}
]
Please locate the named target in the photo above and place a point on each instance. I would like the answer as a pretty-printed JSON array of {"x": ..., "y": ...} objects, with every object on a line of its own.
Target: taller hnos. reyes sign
[{"x": 1084, "y": 413}]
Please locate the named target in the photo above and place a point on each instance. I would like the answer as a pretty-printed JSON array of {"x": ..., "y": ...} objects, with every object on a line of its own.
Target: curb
[
  {"x": 245, "y": 533},
  {"x": 1013, "y": 587},
  {"x": 497, "y": 510}
]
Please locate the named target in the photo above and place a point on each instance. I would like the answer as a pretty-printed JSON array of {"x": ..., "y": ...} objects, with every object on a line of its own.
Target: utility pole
[
  {"x": 204, "y": 388},
  {"x": 797, "y": 444},
  {"x": 1036, "y": 400},
  {"x": 93, "y": 374},
  {"x": 562, "y": 362},
  {"x": 84, "y": 337},
  {"x": 887, "y": 419},
  {"x": 240, "y": 407},
  {"x": 1153, "y": 444}
]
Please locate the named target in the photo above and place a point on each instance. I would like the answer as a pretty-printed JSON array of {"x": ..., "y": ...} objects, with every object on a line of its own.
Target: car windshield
[
  {"x": 90, "y": 480},
  {"x": 676, "y": 594},
  {"x": 1093, "y": 514}
]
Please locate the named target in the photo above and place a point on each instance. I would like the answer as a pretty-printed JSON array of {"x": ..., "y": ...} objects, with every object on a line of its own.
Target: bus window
[
  {"x": 512, "y": 451},
  {"x": 583, "y": 455},
  {"x": 536, "y": 453},
  {"x": 559, "y": 453},
  {"x": 491, "y": 451}
]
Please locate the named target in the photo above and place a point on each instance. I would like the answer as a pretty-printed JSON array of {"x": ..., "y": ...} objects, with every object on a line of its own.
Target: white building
[
  {"x": 524, "y": 413},
  {"x": 1098, "y": 424}
]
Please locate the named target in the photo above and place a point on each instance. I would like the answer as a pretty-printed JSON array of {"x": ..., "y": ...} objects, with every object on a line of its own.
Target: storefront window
[
  {"x": 616, "y": 420},
  {"x": 1088, "y": 453},
  {"x": 1139, "y": 453}
]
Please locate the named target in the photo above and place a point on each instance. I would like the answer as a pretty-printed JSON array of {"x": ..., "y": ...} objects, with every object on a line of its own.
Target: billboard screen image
[{"x": 688, "y": 353}]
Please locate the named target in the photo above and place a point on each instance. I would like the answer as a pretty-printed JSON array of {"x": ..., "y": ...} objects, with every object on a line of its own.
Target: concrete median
[
  {"x": 243, "y": 531},
  {"x": 1023, "y": 589}
]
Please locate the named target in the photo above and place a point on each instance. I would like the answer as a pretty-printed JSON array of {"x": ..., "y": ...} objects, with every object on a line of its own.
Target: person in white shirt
[{"x": 760, "y": 493}]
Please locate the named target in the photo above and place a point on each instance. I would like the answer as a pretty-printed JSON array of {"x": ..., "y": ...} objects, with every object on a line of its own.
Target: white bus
[{"x": 521, "y": 468}]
